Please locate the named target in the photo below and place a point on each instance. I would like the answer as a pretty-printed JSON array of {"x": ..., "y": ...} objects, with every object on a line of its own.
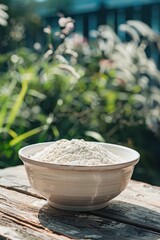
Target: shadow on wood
[{"x": 120, "y": 220}]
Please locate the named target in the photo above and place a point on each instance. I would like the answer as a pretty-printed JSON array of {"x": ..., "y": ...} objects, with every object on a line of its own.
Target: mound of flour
[{"x": 76, "y": 152}]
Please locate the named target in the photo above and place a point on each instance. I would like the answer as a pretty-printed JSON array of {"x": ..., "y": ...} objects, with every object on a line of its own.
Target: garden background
[{"x": 81, "y": 69}]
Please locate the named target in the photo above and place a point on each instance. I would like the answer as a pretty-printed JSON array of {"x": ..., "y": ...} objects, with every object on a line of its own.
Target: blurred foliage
[
  {"x": 102, "y": 90},
  {"x": 25, "y": 23}
]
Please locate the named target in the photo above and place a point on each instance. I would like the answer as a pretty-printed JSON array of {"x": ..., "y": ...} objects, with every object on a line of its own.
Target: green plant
[
  {"x": 135, "y": 76},
  {"x": 26, "y": 84}
]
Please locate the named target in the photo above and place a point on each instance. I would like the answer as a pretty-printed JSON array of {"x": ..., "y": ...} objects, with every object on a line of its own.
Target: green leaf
[
  {"x": 25, "y": 135},
  {"x": 97, "y": 136},
  {"x": 111, "y": 98},
  {"x": 12, "y": 133},
  {"x": 55, "y": 131},
  {"x": 17, "y": 104},
  {"x": 3, "y": 113},
  {"x": 5, "y": 102},
  {"x": 36, "y": 94}
]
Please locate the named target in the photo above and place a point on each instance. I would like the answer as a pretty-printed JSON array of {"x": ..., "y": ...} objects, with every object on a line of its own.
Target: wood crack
[
  {"x": 19, "y": 188},
  {"x": 21, "y": 221}
]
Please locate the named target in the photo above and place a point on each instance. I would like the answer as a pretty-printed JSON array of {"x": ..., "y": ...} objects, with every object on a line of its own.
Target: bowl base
[{"x": 77, "y": 208}]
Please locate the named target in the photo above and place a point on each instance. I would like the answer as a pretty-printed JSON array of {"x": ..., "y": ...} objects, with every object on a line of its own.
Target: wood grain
[
  {"x": 135, "y": 214},
  {"x": 16, "y": 178}
]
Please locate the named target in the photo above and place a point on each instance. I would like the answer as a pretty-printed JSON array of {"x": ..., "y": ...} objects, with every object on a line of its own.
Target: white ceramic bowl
[{"x": 80, "y": 188}]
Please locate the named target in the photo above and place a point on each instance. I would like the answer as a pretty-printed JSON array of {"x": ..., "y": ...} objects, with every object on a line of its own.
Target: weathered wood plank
[
  {"x": 12, "y": 229},
  {"x": 18, "y": 217},
  {"x": 19, "y": 211},
  {"x": 34, "y": 215},
  {"x": 142, "y": 192},
  {"x": 16, "y": 178},
  {"x": 139, "y": 205}
]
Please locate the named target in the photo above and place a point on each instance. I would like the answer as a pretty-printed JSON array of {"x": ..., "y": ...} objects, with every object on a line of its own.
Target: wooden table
[{"x": 134, "y": 214}]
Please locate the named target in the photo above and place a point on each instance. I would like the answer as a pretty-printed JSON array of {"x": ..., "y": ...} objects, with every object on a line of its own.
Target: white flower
[
  {"x": 62, "y": 21},
  {"x": 3, "y": 15}
]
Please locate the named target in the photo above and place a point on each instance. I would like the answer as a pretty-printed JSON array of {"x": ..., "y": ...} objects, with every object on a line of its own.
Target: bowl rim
[{"x": 27, "y": 160}]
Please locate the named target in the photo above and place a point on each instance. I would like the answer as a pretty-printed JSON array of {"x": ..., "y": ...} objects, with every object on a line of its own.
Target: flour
[{"x": 76, "y": 152}]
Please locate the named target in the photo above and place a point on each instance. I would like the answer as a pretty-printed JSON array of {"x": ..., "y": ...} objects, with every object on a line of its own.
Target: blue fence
[{"x": 112, "y": 15}]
